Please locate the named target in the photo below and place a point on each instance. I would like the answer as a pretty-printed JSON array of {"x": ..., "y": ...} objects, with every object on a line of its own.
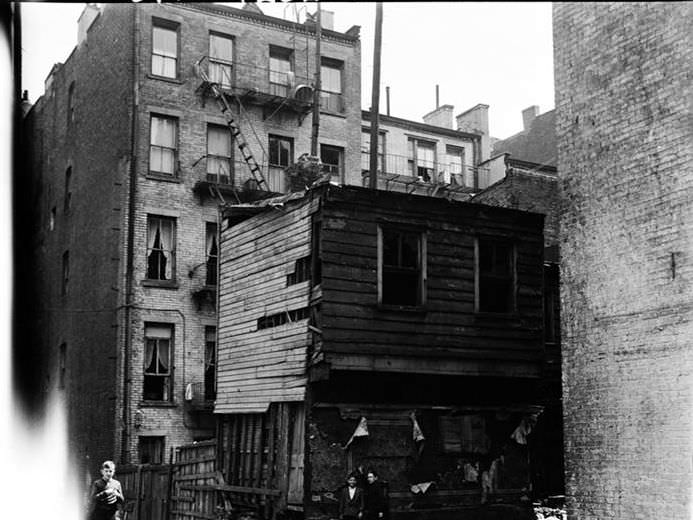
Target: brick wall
[{"x": 623, "y": 91}]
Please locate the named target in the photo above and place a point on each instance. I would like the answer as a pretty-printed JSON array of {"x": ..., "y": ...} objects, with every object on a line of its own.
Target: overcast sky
[{"x": 500, "y": 54}]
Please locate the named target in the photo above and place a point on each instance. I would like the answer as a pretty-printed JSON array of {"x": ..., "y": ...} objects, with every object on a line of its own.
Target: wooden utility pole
[
  {"x": 316, "y": 93},
  {"x": 375, "y": 96}
]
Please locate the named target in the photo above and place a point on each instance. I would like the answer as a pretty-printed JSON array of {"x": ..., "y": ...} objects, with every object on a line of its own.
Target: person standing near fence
[
  {"x": 106, "y": 495},
  {"x": 351, "y": 500},
  {"x": 375, "y": 498}
]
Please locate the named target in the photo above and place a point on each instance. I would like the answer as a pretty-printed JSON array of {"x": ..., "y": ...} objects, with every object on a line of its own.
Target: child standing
[{"x": 106, "y": 495}]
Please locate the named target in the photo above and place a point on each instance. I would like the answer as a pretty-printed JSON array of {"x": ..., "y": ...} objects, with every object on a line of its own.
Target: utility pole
[
  {"x": 316, "y": 93},
  {"x": 375, "y": 96}
]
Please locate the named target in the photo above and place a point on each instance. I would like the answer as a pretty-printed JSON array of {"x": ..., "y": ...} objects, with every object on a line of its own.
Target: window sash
[
  {"x": 331, "y": 79},
  {"x": 163, "y": 145},
  {"x": 212, "y": 253},
  {"x": 401, "y": 263},
  {"x": 218, "y": 151},
  {"x": 332, "y": 158},
  {"x": 164, "y": 51},
  {"x": 220, "y": 59},
  {"x": 279, "y": 151},
  {"x": 496, "y": 276}
]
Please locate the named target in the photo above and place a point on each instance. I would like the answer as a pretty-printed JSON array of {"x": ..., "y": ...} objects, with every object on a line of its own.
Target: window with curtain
[
  {"x": 158, "y": 345},
  {"x": 164, "y": 51},
  {"x": 455, "y": 170},
  {"x": 220, "y": 59},
  {"x": 422, "y": 159},
  {"x": 210, "y": 362},
  {"x": 331, "y": 85},
  {"x": 163, "y": 145},
  {"x": 160, "y": 248},
  {"x": 219, "y": 154},
  {"x": 280, "y": 71},
  {"x": 212, "y": 252}
]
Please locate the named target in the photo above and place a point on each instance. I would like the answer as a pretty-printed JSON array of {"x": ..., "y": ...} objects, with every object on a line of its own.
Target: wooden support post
[
  {"x": 375, "y": 97},
  {"x": 169, "y": 487}
]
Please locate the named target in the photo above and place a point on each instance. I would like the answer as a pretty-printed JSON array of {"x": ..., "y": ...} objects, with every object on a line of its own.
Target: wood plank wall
[
  {"x": 256, "y": 367},
  {"x": 353, "y": 324}
]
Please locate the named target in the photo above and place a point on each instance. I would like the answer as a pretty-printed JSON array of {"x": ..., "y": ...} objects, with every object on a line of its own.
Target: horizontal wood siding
[
  {"x": 447, "y": 326},
  {"x": 256, "y": 367}
]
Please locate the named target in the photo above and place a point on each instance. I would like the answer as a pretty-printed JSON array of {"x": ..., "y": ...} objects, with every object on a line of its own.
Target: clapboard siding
[
  {"x": 447, "y": 325},
  {"x": 258, "y": 366}
]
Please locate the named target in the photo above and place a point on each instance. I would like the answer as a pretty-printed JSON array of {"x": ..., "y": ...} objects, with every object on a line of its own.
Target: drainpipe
[
  {"x": 130, "y": 252},
  {"x": 314, "y": 151}
]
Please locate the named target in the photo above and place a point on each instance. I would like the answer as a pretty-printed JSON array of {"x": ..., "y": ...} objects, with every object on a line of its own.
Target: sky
[{"x": 496, "y": 53}]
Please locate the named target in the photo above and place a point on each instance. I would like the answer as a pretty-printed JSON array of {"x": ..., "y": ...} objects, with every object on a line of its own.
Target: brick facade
[{"x": 623, "y": 104}]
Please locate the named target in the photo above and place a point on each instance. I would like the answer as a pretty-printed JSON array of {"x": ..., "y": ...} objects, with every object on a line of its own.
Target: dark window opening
[
  {"x": 157, "y": 362},
  {"x": 62, "y": 365},
  {"x": 212, "y": 254},
  {"x": 496, "y": 276},
  {"x": 280, "y": 318},
  {"x": 71, "y": 103},
  {"x": 151, "y": 450},
  {"x": 301, "y": 271},
  {"x": 332, "y": 158},
  {"x": 401, "y": 268},
  {"x": 66, "y": 273},
  {"x": 210, "y": 362},
  {"x": 68, "y": 190},
  {"x": 280, "y": 151}
]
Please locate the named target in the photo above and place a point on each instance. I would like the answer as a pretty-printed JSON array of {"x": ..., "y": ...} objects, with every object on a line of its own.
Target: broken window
[
  {"x": 210, "y": 361},
  {"x": 160, "y": 247},
  {"x": 331, "y": 85},
  {"x": 280, "y": 318},
  {"x": 151, "y": 449},
  {"x": 158, "y": 347},
  {"x": 495, "y": 276},
  {"x": 219, "y": 154},
  {"x": 220, "y": 59},
  {"x": 280, "y": 71},
  {"x": 66, "y": 273},
  {"x": 163, "y": 145},
  {"x": 332, "y": 158},
  {"x": 165, "y": 49},
  {"x": 402, "y": 267},
  {"x": 212, "y": 252},
  {"x": 67, "y": 202},
  {"x": 422, "y": 159}
]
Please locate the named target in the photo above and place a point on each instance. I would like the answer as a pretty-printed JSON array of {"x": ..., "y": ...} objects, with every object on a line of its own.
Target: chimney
[
  {"x": 528, "y": 115},
  {"x": 327, "y": 20},
  {"x": 441, "y": 116},
  {"x": 90, "y": 13},
  {"x": 475, "y": 121},
  {"x": 26, "y": 104}
]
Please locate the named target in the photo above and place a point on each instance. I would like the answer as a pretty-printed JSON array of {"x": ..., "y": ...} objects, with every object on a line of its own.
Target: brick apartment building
[
  {"x": 130, "y": 158},
  {"x": 625, "y": 154}
]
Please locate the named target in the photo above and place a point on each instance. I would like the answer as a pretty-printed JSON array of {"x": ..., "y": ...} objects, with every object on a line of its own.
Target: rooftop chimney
[
  {"x": 26, "y": 104},
  {"x": 327, "y": 20},
  {"x": 528, "y": 115},
  {"x": 90, "y": 13},
  {"x": 475, "y": 121},
  {"x": 441, "y": 116}
]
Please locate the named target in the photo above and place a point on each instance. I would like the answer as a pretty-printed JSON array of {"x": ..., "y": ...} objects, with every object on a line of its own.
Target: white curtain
[
  {"x": 163, "y": 144},
  {"x": 331, "y": 79},
  {"x": 218, "y": 151},
  {"x": 165, "y": 52}
]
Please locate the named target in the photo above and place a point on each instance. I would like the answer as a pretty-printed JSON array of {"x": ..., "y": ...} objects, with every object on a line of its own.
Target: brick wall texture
[{"x": 623, "y": 76}]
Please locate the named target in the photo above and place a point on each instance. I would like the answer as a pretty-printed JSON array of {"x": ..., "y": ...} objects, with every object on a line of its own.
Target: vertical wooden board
[
  {"x": 283, "y": 454},
  {"x": 257, "y": 449},
  {"x": 297, "y": 457}
]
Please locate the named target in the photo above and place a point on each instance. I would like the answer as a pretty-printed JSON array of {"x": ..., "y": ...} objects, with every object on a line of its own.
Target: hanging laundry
[
  {"x": 471, "y": 472},
  {"x": 360, "y": 431},
  {"x": 421, "y": 487},
  {"x": 417, "y": 434},
  {"x": 519, "y": 435}
]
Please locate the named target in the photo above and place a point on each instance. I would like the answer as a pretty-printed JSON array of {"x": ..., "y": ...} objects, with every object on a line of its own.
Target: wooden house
[{"x": 378, "y": 329}]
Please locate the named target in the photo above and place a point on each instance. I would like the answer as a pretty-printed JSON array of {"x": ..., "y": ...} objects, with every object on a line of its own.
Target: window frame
[
  {"x": 176, "y": 143},
  {"x": 421, "y": 233},
  {"x": 222, "y": 62},
  {"x": 455, "y": 151},
  {"x": 332, "y": 97},
  {"x": 210, "y": 386},
  {"x": 366, "y": 150},
  {"x": 279, "y": 138},
  {"x": 167, "y": 388},
  {"x": 172, "y": 251},
  {"x": 284, "y": 54},
  {"x": 155, "y": 439},
  {"x": 168, "y": 25},
  {"x": 478, "y": 276},
  {"x": 340, "y": 165},
  {"x": 413, "y": 157},
  {"x": 229, "y": 158},
  {"x": 209, "y": 257}
]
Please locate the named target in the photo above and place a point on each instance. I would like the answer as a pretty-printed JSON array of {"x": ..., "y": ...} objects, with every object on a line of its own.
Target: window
[
  {"x": 163, "y": 145},
  {"x": 165, "y": 50},
  {"x": 463, "y": 434},
  {"x": 219, "y": 154},
  {"x": 366, "y": 151},
  {"x": 220, "y": 59},
  {"x": 158, "y": 346},
  {"x": 280, "y": 151},
  {"x": 495, "y": 276},
  {"x": 331, "y": 85},
  {"x": 455, "y": 170},
  {"x": 71, "y": 103},
  {"x": 161, "y": 253},
  {"x": 402, "y": 267},
  {"x": 151, "y": 449},
  {"x": 301, "y": 272},
  {"x": 66, "y": 273},
  {"x": 67, "y": 202},
  {"x": 332, "y": 158},
  {"x": 210, "y": 362},
  {"x": 212, "y": 252},
  {"x": 62, "y": 364},
  {"x": 280, "y": 318},
  {"x": 422, "y": 159},
  {"x": 51, "y": 221},
  {"x": 280, "y": 71}
]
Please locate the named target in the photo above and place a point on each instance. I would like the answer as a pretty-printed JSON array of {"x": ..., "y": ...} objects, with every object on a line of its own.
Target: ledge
[
  {"x": 387, "y": 307},
  {"x": 161, "y": 284},
  {"x": 157, "y": 404},
  {"x": 163, "y": 177},
  {"x": 164, "y": 78}
]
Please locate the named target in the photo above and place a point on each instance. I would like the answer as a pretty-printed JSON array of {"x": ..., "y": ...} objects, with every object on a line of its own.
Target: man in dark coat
[
  {"x": 375, "y": 498},
  {"x": 351, "y": 501}
]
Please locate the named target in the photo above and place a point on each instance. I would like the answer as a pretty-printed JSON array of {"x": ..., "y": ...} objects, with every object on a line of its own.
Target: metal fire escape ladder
[{"x": 235, "y": 130}]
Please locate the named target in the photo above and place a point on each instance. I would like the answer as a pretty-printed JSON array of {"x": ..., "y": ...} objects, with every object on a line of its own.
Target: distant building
[
  {"x": 625, "y": 156},
  {"x": 131, "y": 158},
  {"x": 379, "y": 329}
]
